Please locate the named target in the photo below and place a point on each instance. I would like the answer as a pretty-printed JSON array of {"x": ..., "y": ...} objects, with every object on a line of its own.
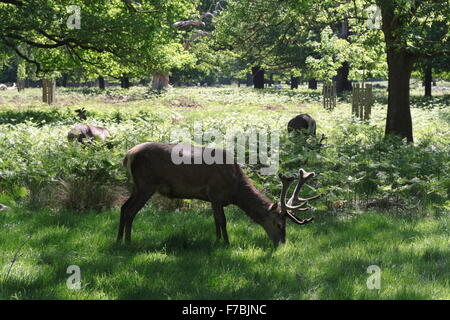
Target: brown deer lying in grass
[
  {"x": 151, "y": 167},
  {"x": 85, "y": 131}
]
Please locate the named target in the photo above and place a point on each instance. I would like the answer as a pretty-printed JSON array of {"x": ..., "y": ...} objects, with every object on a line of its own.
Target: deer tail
[
  {"x": 127, "y": 165},
  {"x": 128, "y": 160}
]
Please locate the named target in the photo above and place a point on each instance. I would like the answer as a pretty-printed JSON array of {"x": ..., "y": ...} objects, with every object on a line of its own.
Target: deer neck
[{"x": 252, "y": 202}]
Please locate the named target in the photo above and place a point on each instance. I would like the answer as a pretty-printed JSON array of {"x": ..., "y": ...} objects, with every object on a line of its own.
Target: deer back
[
  {"x": 153, "y": 163},
  {"x": 85, "y": 131},
  {"x": 302, "y": 121}
]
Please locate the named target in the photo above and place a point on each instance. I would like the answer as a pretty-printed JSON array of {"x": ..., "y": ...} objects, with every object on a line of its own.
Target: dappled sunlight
[{"x": 381, "y": 205}]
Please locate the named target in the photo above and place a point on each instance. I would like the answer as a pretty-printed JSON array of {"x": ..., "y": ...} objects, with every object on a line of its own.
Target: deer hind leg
[
  {"x": 221, "y": 222},
  {"x": 130, "y": 209},
  {"x": 123, "y": 217}
]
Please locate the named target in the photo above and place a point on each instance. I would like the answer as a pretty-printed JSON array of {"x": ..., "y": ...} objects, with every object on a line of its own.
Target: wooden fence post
[
  {"x": 362, "y": 101},
  {"x": 48, "y": 90},
  {"x": 329, "y": 96},
  {"x": 368, "y": 101}
]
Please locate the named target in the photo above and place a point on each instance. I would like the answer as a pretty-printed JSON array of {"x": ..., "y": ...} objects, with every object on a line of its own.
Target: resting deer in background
[
  {"x": 86, "y": 131},
  {"x": 306, "y": 124},
  {"x": 152, "y": 170},
  {"x": 303, "y": 122},
  {"x": 5, "y": 87}
]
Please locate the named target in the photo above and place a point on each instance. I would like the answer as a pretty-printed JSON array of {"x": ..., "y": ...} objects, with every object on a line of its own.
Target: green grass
[
  {"x": 384, "y": 203},
  {"x": 174, "y": 255}
]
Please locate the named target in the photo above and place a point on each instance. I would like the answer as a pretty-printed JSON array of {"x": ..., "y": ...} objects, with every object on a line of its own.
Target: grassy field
[
  {"x": 175, "y": 256},
  {"x": 385, "y": 203}
]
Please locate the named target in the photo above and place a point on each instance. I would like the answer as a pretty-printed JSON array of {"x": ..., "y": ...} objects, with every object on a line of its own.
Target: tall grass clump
[{"x": 42, "y": 168}]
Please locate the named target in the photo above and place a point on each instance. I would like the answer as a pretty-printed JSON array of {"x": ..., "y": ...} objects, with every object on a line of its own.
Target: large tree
[
  {"x": 267, "y": 35},
  {"x": 404, "y": 34}
]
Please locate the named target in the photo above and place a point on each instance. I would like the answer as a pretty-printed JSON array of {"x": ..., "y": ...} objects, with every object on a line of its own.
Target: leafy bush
[{"x": 357, "y": 166}]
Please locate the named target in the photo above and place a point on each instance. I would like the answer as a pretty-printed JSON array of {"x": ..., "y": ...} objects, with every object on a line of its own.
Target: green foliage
[
  {"x": 21, "y": 71},
  {"x": 384, "y": 203},
  {"x": 358, "y": 167},
  {"x": 332, "y": 52},
  {"x": 174, "y": 255},
  {"x": 112, "y": 38}
]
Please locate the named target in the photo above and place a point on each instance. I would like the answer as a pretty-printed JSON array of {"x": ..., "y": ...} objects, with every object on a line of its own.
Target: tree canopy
[
  {"x": 345, "y": 40},
  {"x": 112, "y": 37}
]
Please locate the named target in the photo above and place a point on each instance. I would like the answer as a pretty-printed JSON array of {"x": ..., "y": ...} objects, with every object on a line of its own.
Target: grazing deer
[
  {"x": 303, "y": 122},
  {"x": 86, "y": 131},
  {"x": 152, "y": 170}
]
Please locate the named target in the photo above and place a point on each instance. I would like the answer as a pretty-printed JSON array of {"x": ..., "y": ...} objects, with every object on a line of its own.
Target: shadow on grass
[
  {"x": 38, "y": 117},
  {"x": 176, "y": 256}
]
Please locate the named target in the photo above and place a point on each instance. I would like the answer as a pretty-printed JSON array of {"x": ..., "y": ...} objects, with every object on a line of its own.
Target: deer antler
[
  {"x": 286, "y": 181},
  {"x": 302, "y": 177}
]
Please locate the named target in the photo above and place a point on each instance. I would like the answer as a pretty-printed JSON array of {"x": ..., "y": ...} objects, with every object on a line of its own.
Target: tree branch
[
  {"x": 14, "y": 2},
  {"x": 32, "y": 43},
  {"x": 23, "y": 56}
]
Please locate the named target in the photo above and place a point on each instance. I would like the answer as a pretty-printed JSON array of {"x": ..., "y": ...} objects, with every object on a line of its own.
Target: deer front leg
[{"x": 221, "y": 222}]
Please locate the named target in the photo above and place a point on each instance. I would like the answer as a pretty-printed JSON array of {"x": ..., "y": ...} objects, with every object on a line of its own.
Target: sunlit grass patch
[{"x": 384, "y": 203}]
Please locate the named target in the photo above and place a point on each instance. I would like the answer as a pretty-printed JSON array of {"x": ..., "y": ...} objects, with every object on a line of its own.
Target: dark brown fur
[
  {"x": 152, "y": 170},
  {"x": 85, "y": 131},
  {"x": 303, "y": 122}
]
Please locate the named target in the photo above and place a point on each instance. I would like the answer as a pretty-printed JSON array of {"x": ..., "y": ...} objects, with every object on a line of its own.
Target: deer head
[{"x": 275, "y": 226}]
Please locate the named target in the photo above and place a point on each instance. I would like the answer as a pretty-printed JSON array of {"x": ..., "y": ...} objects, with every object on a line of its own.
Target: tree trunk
[
  {"x": 341, "y": 79},
  {"x": 21, "y": 85},
  {"x": 125, "y": 82},
  {"x": 258, "y": 77},
  {"x": 312, "y": 84},
  {"x": 398, "y": 120},
  {"x": 294, "y": 82},
  {"x": 400, "y": 64},
  {"x": 160, "y": 81},
  {"x": 342, "y": 82},
  {"x": 101, "y": 83},
  {"x": 248, "y": 80},
  {"x": 48, "y": 90},
  {"x": 428, "y": 78},
  {"x": 64, "y": 80},
  {"x": 271, "y": 82}
]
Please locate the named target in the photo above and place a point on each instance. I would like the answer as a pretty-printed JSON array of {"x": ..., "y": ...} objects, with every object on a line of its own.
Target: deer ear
[{"x": 273, "y": 206}]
